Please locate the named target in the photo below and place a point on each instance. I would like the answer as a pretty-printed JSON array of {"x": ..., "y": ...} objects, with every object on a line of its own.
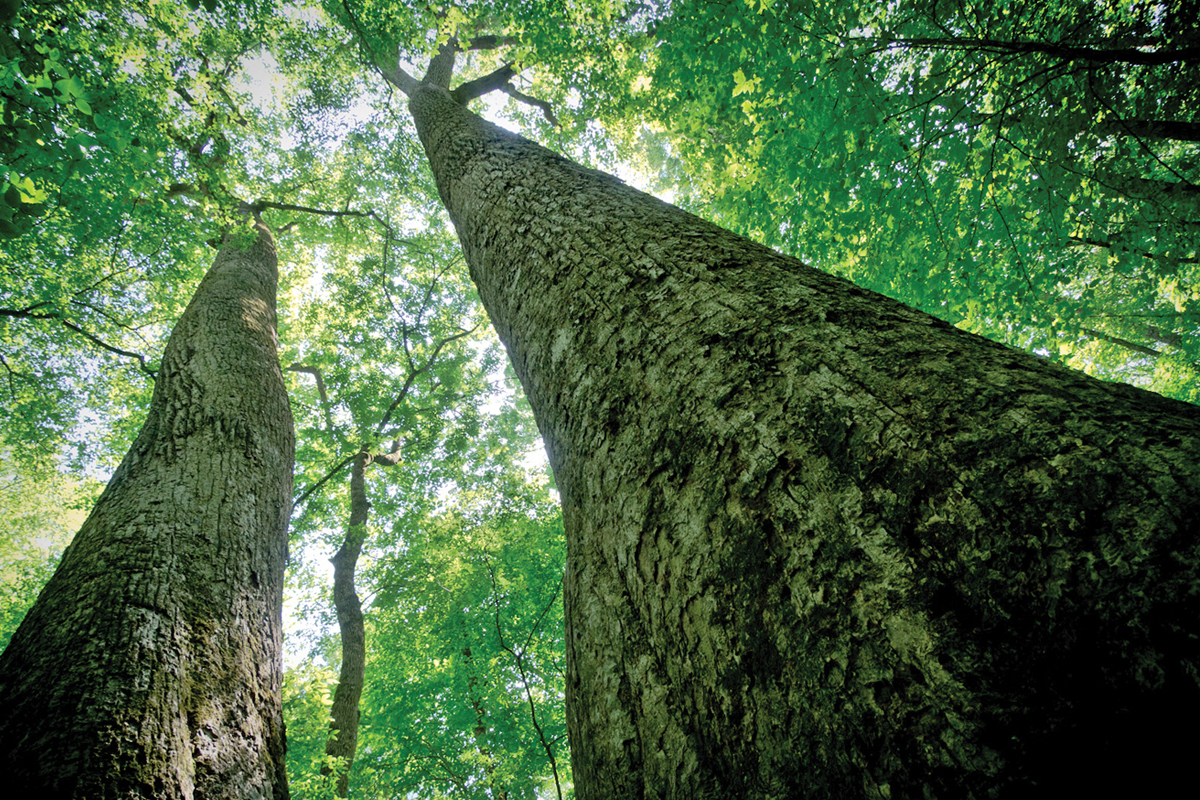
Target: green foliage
[
  {"x": 41, "y": 510},
  {"x": 962, "y": 159},
  {"x": 1012, "y": 168},
  {"x": 476, "y": 599},
  {"x": 465, "y": 638},
  {"x": 118, "y": 147},
  {"x": 307, "y": 697}
]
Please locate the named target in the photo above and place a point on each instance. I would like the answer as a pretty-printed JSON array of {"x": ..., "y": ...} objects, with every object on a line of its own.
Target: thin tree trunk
[
  {"x": 343, "y": 727},
  {"x": 150, "y": 665},
  {"x": 821, "y": 544},
  {"x": 345, "y": 714}
]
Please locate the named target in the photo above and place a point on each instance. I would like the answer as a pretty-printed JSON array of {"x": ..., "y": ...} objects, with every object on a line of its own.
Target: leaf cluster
[
  {"x": 1026, "y": 172},
  {"x": 465, "y": 666}
]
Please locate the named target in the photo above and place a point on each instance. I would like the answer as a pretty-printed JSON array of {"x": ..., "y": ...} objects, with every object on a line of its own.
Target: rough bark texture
[
  {"x": 821, "y": 544},
  {"x": 150, "y": 665}
]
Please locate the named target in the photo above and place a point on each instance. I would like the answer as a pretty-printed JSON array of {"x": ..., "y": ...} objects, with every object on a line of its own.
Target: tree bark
[
  {"x": 150, "y": 665},
  {"x": 821, "y": 544}
]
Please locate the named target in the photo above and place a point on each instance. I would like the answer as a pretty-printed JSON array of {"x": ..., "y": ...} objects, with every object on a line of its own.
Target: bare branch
[
  {"x": 307, "y": 493},
  {"x": 141, "y": 359},
  {"x": 547, "y": 111},
  {"x": 481, "y": 86}
]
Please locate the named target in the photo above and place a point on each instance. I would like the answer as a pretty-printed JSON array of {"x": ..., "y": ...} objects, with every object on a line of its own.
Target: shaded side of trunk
[
  {"x": 821, "y": 544},
  {"x": 150, "y": 665}
]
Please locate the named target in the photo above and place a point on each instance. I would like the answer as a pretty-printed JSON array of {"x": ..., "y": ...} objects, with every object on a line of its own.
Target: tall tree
[
  {"x": 821, "y": 544},
  {"x": 150, "y": 664},
  {"x": 800, "y": 526},
  {"x": 130, "y": 130}
]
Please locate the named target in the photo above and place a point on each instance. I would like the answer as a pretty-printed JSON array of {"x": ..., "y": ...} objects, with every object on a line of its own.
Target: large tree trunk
[
  {"x": 821, "y": 544},
  {"x": 150, "y": 665}
]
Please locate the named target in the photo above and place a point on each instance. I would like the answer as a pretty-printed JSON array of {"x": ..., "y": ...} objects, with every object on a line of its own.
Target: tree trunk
[
  {"x": 150, "y": 665},
  {"x": 345, "y": 714},
  {"x": 821, "y": 544}
]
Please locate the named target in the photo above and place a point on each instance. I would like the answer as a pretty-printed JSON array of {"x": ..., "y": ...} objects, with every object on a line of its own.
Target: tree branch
[
  {"x": 303, "y": 498},
  {"x": 29, "y": 313},
  {"x": 263, "y": 205},
  {"x": 111, "y": 348},
  {"x": 490, "y": 42},
  {"x": 547, "y": 111},
  {"x": 441, "y": 66},
  {"x": 1143, "y": 253},
  {"x": 413, "y": 374},
  {"x": 1175, "y": 129},
  {"x": 397, "y": 77},
  {"x": 393, "y": 74},
  {"x": 519, "y": 661},
  {"x": 1122, "y": 55},
  {"x": 1128, "y": 345},
  {"x": 480, "y": 86},
  {"x": 12, "y": 374}
]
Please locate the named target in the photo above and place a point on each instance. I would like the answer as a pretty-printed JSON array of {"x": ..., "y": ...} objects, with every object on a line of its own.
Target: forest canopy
[{"x": 1028, "y": 172}]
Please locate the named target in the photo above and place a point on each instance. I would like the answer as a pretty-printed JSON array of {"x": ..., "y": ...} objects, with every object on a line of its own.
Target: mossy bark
[
  {"x": 821, "y": 544},
  {"x": 150, "y": 665}
]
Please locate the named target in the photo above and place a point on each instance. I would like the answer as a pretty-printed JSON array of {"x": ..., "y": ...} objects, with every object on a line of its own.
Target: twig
[
  {"x": 303, "y": 498},
  {"x": 524, "y": 675}
]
